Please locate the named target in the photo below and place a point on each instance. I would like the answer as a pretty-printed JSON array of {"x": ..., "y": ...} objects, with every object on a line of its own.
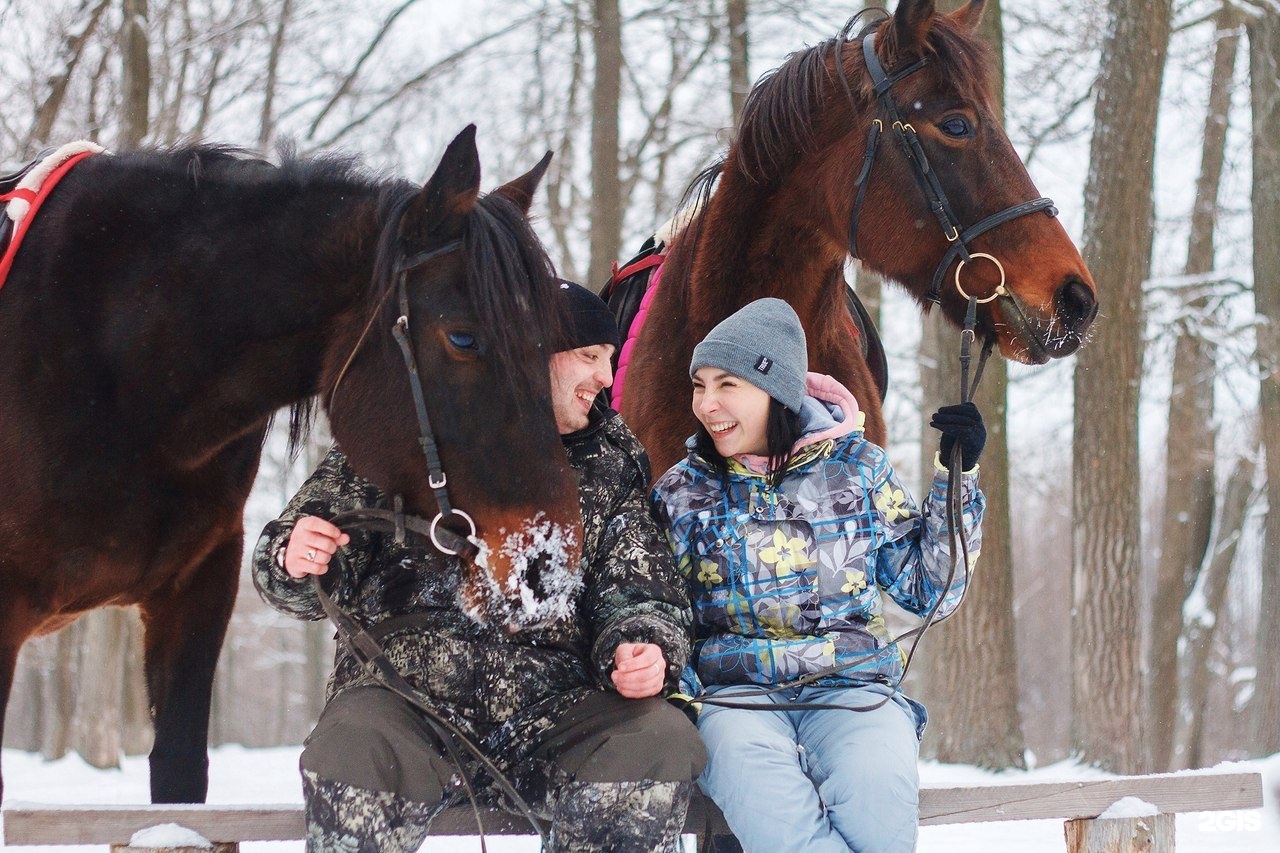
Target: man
[{"x": 571, "y": 712}]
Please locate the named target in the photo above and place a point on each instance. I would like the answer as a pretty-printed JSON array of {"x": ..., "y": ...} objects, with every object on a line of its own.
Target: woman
[{"x": 789, "y": 525}]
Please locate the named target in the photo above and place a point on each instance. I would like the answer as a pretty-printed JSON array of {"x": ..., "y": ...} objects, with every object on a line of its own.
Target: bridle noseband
[{"x": 926, "y": 179}]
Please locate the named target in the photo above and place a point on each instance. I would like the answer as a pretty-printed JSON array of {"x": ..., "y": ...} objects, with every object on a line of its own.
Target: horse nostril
[
  {"x": 534, "y": 576},
  {"x": 1075, "y": 304}
]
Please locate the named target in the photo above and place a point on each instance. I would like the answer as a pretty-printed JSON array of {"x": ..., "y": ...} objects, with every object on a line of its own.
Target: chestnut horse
[
  {"x": 884, "y": 146},
  {"x": 164, "y": 304}
]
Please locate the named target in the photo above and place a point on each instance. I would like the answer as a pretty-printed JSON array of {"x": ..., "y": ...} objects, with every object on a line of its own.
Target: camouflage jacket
[
  {"x": 788, "y": 581},
  {"x": 480, "y": 674}
]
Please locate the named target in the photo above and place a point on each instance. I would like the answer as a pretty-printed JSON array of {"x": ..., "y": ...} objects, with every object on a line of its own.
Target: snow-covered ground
[{"x": 239, "y": 775}]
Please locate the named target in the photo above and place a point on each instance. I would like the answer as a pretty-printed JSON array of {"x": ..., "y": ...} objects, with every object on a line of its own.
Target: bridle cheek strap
[
  {"x": 926, "y": 177},
  {"x": 443, "y": 538}
]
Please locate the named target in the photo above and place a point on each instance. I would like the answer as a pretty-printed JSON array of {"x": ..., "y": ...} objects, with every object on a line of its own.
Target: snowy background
[
  {"x": 258, "y": 776},
  {"x": 263, "y": 649}
]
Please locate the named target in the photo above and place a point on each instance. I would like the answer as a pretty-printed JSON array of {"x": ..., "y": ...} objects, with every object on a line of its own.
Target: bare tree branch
[
  {"x": 73, "y": 43},
  {"x": 435, "y": 69},
  {"x": 345, "y": 87}
]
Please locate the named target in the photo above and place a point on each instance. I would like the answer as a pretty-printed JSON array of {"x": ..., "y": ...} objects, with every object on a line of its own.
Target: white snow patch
[
  {"x": 543, "y": 583},
  {"x": 168, "y": 835},
  {"x": 1130, "y": 807}
]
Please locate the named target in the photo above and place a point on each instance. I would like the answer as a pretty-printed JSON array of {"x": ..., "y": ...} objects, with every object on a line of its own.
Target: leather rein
[{"x": 362, "y": 644}]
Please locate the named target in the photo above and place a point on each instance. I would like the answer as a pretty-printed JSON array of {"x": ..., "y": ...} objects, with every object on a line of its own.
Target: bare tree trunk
[
  {"x": 1204, "y": 609},
  {"x": 1264, "y": 76},
  {"x": 971, "y": 679},
  {"x": 1108, "y": 710},
  {"x": 59, "y": 698},
  {"x": 561, "y": 192},
  {"x": 739, "y": 68},
  {"x": 870, "y": 290},
  {"x": 135, "y": 74},
  {"x": 1189, "y": 455},
  {"x": 98, "y": 720},
  {"x": 606, "y": 183},
  {"x": 267, "y": 121},
  {"x": 86, "y": 19},
  {"x": 169, "y": 115}
]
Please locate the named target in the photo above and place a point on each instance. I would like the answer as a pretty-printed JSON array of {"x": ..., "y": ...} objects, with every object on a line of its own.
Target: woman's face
[{"x": 734, "y": 412}]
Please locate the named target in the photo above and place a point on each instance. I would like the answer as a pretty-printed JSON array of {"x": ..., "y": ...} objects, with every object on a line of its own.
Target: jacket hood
[{"x": 829, "y": 411}]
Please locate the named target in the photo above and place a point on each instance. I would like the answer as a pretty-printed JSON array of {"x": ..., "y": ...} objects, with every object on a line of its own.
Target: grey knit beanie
[{"x": 763, "y": 343}]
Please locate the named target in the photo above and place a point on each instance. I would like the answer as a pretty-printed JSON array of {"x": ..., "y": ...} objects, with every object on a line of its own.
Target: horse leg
[
  {"x": 185, "y": 627},
  {"x": 17, "y": 622}
]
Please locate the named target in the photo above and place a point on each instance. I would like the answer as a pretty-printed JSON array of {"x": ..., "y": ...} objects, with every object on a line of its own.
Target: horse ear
[
  {"x": 446, "y": 200},
  {"x": 520, "y": 191},
  {"x": 911, "y": 22},
  {"x": 969, "y": 16}
]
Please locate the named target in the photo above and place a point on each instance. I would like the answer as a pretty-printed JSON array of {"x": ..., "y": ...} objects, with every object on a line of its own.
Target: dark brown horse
[
  {"x": 827, "y": 164},
  {"x": 165, "y": 304}
]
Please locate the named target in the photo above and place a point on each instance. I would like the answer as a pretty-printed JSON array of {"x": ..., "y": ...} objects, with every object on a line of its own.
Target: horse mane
[
  {"x": 510, "y": 282},
  {"x": 683, "y": 248},
  {"x": 783, "y": 109},
  {"x": 242, "y": 168},
  {"x": 510, "y": 277}
]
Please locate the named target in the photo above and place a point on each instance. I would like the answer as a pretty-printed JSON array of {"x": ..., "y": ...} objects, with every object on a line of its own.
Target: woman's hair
[{"x": 782, "y": 431}]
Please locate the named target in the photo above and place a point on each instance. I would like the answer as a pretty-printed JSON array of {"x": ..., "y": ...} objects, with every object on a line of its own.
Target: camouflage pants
[{"x": 609, "y": 774}]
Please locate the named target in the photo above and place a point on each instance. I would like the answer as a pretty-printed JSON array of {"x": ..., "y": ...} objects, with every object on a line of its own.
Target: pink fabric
[
  {"x": 633, "y": 333},
  {"x": 828, "y": 390}
]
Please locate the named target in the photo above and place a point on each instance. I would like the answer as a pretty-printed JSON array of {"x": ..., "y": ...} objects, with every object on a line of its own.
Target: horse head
[
  {"x": 943, "y": 204},
  {"x": 473, "y": 293}
]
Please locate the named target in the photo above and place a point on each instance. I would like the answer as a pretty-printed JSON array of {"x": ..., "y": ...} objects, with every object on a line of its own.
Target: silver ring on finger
[{"x": 311, "y": 555}]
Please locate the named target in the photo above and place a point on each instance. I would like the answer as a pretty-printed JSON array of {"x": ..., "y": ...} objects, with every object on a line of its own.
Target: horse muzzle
[
  {"x": 1034, "y": 338},
  {"x": 526, "y": 579}
]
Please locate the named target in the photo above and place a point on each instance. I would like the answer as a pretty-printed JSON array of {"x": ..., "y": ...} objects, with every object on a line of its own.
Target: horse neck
[
  {"x": 288, "y": 294},
  {"x": 312, "y": 282},
  {"x": 757, "y": 241}
]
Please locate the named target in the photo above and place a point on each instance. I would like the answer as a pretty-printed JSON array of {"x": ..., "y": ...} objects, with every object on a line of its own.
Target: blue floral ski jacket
[{"x": 786, "y": 582}]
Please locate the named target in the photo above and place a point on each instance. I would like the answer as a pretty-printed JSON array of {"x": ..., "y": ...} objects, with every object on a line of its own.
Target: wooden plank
[
  {"x": 217, "y": 848},
  {"x": 39, "y": 823},
  {"x": 1150, "y": 834},
  {"x": 1088, "y": 798},
  {"x": 36, "y": 823}
]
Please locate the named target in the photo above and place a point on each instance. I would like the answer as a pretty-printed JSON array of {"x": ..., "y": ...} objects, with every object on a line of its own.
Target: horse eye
[
  {"x": 463, "y": 340},
  {"x": 955, "y": 126}
]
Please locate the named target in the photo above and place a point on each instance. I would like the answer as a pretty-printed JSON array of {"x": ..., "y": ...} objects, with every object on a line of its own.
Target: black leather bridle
[{"x": 926, "y": 178}]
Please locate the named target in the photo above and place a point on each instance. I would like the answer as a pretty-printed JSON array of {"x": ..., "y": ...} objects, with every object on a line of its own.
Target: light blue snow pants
[{"x": 815, "y": 781}]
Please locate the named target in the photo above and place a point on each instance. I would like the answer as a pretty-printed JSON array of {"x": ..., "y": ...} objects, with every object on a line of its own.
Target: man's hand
[
  {"x": 311, "y": 545},
  {"x": 639, "y": 670}
]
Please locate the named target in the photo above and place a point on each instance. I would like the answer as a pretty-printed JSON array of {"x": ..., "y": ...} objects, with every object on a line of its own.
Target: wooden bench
[{"x": 1077, "y": 802}]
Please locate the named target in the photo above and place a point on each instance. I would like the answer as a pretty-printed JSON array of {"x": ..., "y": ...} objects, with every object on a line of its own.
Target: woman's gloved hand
[{"x": 961, "y": 424}]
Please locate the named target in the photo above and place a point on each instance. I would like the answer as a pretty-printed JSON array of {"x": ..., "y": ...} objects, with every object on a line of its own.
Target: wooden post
[{"x": 1147, "y": 834}]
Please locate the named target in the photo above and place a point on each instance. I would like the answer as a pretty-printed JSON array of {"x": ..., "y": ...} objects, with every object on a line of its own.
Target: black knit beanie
[{"x": 591, "y": 322}]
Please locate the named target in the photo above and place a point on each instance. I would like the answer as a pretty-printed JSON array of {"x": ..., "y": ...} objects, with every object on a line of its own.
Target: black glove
[{"x": 963, "y": 424}]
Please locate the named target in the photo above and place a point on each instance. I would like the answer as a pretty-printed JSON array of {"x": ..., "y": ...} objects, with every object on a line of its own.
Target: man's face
[{"x": 577, "y": 376}]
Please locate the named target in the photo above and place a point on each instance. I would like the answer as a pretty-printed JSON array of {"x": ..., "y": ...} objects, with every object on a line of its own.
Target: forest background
[{"x": 1124, "y": 611}]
